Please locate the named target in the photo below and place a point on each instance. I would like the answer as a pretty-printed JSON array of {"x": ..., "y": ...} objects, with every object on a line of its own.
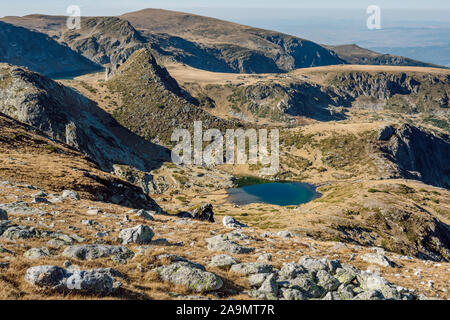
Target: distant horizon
[
  {"x": 192, "y": 10},
  {"x": 413, "y": 32}
]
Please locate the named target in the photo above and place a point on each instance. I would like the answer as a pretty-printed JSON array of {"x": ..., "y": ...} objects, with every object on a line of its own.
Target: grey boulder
[
  {"x": 222, "y": 261},
  {"x": 97, "y": 251},
  {"x": 198, "y": 280},
  {"x": 219, "y": 243},
  {"x": 97, "y": 281},
  {"x": 37, "y": 253},
  {"x": 140, "y": 234},
  {"x": 70, "y": 194},
  {"x": 3, "y": 215},
  {"x": 249, "y": 268}
]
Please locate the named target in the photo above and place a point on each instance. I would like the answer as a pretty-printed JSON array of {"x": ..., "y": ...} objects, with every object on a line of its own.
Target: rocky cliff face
[
  {"x": 402, "y": 91},
  {"x": 40, "y": 53},
  {"x": 419, "y": 155},
  {"x": 67, "y": 116}
]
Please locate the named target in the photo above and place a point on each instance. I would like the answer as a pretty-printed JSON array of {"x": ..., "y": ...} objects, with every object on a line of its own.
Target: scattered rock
[
  {"x": 39, "y": 200},
  {"x": 230, "y": 222},
  {"x": 369, "y": 281},
  {"x": 140, "y": 234},
  {"x": 377, "y": 258},
  {"x": 118, "y": 254},
  {"x": 249, "y": 268},
  {"x": 20, "y": 232},
  {"x": 93, "y": 212},
  {"x": 313, "y": 265},
  {"x": 256, "y": 280},
  {"x": 265, "y": 257},
  {"x": 21, "y": 208},
  {"x": 171, "y": 258},
  {"x": 4, "y": 250},
  {"x": 219, "y": 243},
  {"x": 369, "y": 295},
  {"x": 144, "y": 215},
  {"x": 204, "y": 213},
  {"x": 291, "y": 270},
  {"x": 97, "y": 281},
  {"x": 223, "y": 261},
  {"x": 284, "y": 234},
  {"x": 70, "y": 194},
  {"x": 37, "y": 253},
  {"x": 306, "y": 284},
  {"x": 269, "y": 286}
]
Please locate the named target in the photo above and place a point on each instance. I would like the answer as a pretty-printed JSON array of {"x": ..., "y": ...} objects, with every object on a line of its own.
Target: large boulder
[
  {"x": 70, "y": 194},
  {"x": 180, "y": 273},
  {"x": 97, "y": 281},
  {"x": 92, "y": 281},
  {"x": 140, "y": 234},
  {"x": 230, "y": 222},
  {"x": 222, "y": 261},
  {"x": 204, "y": 213},
  {"x": 221, "y": 243},
  {"x": 20, "y": 232},
  {"x": 250, "y": 268},
  {"x": 45, "y": 276},
  {"x": 97, "y": 251},
  {"x": 37, "y": 253},
  {"x": 377, "y": 258}
]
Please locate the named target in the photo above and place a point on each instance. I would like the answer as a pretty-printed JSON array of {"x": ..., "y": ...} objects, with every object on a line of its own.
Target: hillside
[
  {"x": 93, "y": 206},
  {"x": 52, "y": 239},
  {"x": 152, "y": 103},
  {"x": 323, "y": 93},
  {"x": 40, "y": 53},
  {"x": 28, "y": 156},
  {"x": 67, "y": 116}
]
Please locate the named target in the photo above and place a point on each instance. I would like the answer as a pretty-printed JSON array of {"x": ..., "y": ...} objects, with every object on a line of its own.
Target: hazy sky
[{"x": 113, "y": 7}]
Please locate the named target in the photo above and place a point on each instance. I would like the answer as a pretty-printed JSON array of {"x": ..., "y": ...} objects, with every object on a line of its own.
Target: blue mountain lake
[{"x": 279, "y": 193}]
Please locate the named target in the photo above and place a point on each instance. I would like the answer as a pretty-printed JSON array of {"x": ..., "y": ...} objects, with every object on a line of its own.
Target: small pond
[{"x": 278, "y": 193}]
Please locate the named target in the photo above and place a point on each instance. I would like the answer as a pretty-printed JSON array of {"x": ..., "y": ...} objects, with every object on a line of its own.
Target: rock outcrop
[
  {"x": 419, "y": 155},
  {"x": 67, "y": 116}
]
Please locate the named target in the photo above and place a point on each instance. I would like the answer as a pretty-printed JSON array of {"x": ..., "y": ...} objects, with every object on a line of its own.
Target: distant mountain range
[{"x": 201, "y": 42}]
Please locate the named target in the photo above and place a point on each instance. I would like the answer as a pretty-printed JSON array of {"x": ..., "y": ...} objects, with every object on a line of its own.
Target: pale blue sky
[{"x": 114, "y": 7}]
